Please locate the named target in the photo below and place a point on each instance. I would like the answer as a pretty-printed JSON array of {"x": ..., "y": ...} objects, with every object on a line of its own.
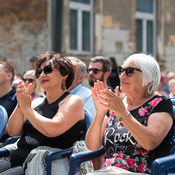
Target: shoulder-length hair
[{"x": 59, "y": 62}]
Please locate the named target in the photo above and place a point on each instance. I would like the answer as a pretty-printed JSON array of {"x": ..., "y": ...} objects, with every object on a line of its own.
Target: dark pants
[{"x": 6, "y": 169}]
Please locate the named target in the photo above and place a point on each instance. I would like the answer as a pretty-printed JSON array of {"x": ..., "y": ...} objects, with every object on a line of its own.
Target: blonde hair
[{"x": 38, "y": 90}]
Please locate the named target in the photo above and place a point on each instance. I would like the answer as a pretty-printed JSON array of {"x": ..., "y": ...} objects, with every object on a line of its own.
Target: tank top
[{"x": 32, "y": 138}]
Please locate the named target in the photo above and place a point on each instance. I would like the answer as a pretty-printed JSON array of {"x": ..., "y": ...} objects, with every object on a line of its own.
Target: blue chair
[
  {"x": 173, "y": 100},
  {"x": 53, "y": 155},
  {"x": 77, "y": 158},
  {"x": 3, "y": 120}
]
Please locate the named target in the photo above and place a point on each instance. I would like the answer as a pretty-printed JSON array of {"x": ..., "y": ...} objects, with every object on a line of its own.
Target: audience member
[
  {"x": 7, "y": 92},
  {"x": 169, "y": 76},
  {"x": 8, "y": 60},
  {"x": 78, "y": 89},
  {"x": 132, "y": 136},
  {"x": 113, "y": 79},
  {"x": 161, "y": 84},
  {"x": 17, "y": 79},
  {"x": 32, "y": 61},
  {"x": 57, "y": 122},
  {"x": 99, "y": 69},
  {"x": 171, "y": 87},
  {"x": 35, "y": 90}
]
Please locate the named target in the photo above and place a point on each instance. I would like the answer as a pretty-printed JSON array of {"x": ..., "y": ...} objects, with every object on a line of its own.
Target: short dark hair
[
  {"x": 8, "y": 68},
  {"x": 33, "y": 58},
  {"x": 105, "y": 62},
  {"x": 60, "y": 62}
]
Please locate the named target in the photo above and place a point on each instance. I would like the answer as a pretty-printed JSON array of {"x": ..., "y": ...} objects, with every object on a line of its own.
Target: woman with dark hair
[{"x": 57, "y": 122}]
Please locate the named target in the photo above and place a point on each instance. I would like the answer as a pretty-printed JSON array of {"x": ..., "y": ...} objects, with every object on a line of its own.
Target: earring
[{"x": 63, "y": 85}]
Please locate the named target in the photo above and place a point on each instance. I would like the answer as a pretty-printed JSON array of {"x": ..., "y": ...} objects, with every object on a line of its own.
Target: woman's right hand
[
  {"x": 100, "y": 108},
  {"x": 23, "y": 96}
]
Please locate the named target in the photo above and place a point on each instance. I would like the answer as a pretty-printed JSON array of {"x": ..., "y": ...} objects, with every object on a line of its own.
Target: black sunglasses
[
  {"x": 30, "y": 80},
  {"x": 46, "y": 69},
  {"x": 129, "y": 71},
  {"x": 94, "y": 70}
]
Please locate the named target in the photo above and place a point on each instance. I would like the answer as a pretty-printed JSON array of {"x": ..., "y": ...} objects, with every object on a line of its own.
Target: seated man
[
  {"x": 7, "y": 92},
  {"x": 78, "y": 89}
]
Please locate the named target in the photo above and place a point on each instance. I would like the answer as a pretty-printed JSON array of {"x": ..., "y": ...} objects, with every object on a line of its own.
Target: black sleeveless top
[{"x": 32, "y": 138}]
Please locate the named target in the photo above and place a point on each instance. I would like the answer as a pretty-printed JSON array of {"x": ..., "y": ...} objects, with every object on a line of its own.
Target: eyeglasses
[
  {"x": 47, "y": 70},
  {"x": 129, "y": 71},
  {"x": 94, "y": 70},
  {"x": 28, "y": 79}
]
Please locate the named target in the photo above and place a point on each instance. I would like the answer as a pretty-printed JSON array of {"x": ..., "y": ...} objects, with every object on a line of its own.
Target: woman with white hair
[
  {"x": 35, "y": 89},
  {"x": 140, "y": 128}
]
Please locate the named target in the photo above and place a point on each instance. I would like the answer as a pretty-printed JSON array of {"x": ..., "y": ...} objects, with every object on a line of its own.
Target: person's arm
[
  {"x": 70, "y": 111},
  {"x": 96, "y": 130},
  {"x": 15, "y": 122},
  {"x": 149, "y": 137}
]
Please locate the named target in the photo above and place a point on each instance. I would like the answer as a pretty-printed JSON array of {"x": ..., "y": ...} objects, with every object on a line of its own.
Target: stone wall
[
  {"x": 116, "y": 37},
  {"x": 23, "y": 30},
  {"x": 166, "y": 34}
]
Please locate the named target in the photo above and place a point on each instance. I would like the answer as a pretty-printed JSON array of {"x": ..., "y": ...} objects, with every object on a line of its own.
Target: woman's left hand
[
  {"x": 113, "y": 101},
  {"x": 23, "y": 96}
]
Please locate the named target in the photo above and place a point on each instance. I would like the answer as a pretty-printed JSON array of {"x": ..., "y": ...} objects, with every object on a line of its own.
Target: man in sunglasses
[
  {"x": 78, "y": 89},
  {"x": 99, "y": 69}
]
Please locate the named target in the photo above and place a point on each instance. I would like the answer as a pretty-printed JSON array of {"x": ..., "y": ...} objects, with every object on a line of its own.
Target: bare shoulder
[
  {"x": 72, "y": 101},
  {"x": 72, "y": 105}
]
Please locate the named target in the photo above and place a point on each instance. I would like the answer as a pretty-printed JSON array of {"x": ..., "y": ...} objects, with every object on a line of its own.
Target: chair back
[
  {"x": 88, "y": 121},
  {"x": 173, "y": 101},
  {"x": 3, "y": 120}
]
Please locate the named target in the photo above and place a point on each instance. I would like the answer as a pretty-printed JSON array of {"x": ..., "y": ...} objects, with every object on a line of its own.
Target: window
[
  {"x": 145, "y": 26},
  {"x": 82, "y": 1},
  {"x": 81, "y": 26}
]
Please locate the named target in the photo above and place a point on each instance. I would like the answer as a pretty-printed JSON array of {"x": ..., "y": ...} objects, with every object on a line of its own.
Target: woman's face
[
  {"x": 131, "y": 83},
  {"x": 49, "y": 77},
  {"x": 30, "y": 79}
]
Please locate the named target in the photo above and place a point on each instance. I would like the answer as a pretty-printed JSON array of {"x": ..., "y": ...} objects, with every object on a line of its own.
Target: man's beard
[{"x": 91, "y": 81}]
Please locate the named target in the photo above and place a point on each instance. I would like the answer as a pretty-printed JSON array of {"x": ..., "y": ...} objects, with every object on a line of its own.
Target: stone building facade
[{"x": 86, "y": 28}]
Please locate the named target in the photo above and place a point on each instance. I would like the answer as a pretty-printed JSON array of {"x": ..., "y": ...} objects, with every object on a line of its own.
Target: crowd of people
[{"x": 127, "y": 105}]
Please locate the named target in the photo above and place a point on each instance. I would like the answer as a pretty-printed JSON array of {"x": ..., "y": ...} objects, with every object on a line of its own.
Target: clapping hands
[
  {"x": 23, "y": 95},
  {"x": 105, "y": 99}
]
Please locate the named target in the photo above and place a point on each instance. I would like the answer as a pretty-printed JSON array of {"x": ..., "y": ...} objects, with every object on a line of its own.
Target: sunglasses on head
[
  {"x": 30, "y": 80},
  {"x": 46, "y": 69},
  {"x": 94, "y": 70},
  {"x": 129, "y": 71}
]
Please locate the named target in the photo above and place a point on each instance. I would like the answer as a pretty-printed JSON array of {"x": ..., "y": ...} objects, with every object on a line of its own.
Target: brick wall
[{"x": 23, "y": 30}]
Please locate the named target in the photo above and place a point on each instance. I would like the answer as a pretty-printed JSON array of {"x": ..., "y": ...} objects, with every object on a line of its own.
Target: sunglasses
[
  {"x": 129, "y": 71},
  {"x": 46, "y": 69},
  {"x": 94, "y": 70},
  {"x": 28, "y": 79}
]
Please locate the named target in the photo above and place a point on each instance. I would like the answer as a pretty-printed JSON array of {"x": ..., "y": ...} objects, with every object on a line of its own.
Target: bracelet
[{"x": 119, "y": 120}]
